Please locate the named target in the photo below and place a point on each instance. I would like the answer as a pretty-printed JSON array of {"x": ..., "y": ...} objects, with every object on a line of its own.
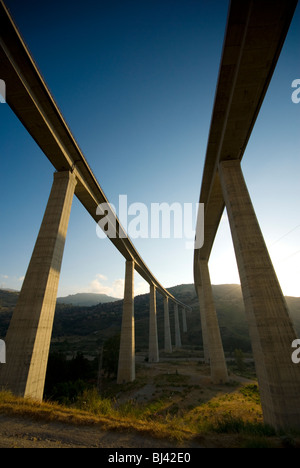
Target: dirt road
[{"x": 25, "y": 433}]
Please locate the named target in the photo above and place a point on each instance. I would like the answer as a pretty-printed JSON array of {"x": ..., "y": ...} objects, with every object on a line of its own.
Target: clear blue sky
[{"x": 135, "y": 81}]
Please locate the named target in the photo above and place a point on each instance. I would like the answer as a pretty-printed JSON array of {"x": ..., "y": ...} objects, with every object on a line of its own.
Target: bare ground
[{"x": 23, "y": 432}]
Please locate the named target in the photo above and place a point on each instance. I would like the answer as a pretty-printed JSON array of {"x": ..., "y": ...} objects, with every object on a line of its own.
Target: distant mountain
[
  {"x": 8, "y": 298},
  {"x": 86, "y": 328},
  {"x": 86, "y": 299}
]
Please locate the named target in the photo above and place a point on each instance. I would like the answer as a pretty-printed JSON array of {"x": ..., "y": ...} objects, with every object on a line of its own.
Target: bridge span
[
  {"x": 29, "y": 333},
  {"x": 255, "y": 33}
]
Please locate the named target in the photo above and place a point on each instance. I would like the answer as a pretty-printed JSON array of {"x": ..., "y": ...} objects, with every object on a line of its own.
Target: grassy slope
[{"x": 180, "y": 409}]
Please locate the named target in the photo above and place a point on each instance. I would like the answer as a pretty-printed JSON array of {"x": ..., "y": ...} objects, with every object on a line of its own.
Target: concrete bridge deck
[{"x": 254, "y": 37}]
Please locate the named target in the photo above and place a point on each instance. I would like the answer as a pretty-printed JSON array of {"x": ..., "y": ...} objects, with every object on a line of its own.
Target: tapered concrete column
[
  {"x": 177, "y": 327},
  {"x": 200, "y": 295},
  {"x": 270, "y": 327},
  {"x": 29, "y": 333},
  {"x": 153, "y": 339},
  {"x": 126, "y": 368},
  {"x": 184, "y": 324},
  {"x": 218, "y": 366},
  {"x": 168, "y": 342}
]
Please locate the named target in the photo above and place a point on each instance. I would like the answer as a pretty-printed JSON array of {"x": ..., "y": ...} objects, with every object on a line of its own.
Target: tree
[
  {"x": 111, "y": 349},
  {"x": 239, "y": 359}
]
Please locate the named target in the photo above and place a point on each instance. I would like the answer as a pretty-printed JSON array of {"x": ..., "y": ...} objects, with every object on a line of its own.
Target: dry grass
[
  {"x": 52, "y": 412},
  {"x": 153, "y": 419},
  {"x": 183, "y": 407}
]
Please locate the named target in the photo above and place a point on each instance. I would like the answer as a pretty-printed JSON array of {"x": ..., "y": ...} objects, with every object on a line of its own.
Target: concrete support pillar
[
  {"x": 270, "y": 327},
  {"x": 199, "y": 290},
  {"x": 29, "y": 334},
  {"x": 168, "y": 341},
  {"x": 184, "y": 324},
  {"x": 218, "y": 366},
  {"x": 126, "y": 367},
  {"x": 177, "y": 327},
  {"x": 153, "y": 339}
]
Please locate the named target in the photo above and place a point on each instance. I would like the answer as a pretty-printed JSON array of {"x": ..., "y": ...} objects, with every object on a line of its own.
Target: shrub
[
  {"x": 251, "y": 392},
  {"x": 91, "y": 401},
  {"x": 231, "y": 424}
]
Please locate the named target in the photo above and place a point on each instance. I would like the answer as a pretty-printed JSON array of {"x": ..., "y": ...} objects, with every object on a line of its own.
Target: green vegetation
[
  {"x": 110, "y": 358},
  {"x": 251, "y": 392},
  {"x": 66, "y": 379},
  {"x": 84, "y": 329}
]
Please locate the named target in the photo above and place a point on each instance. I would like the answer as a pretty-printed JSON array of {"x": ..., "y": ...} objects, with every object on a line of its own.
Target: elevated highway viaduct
[
  {"x": 255, "y": 33},
  {"x": 29, "y": 333}
]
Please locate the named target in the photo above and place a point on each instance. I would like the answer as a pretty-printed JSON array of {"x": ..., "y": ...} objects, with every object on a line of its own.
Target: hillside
[
  {"x": 86, "y": 299},
  {"x": 171, "y": 404},
  {"x": 83, "y": 328}
]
